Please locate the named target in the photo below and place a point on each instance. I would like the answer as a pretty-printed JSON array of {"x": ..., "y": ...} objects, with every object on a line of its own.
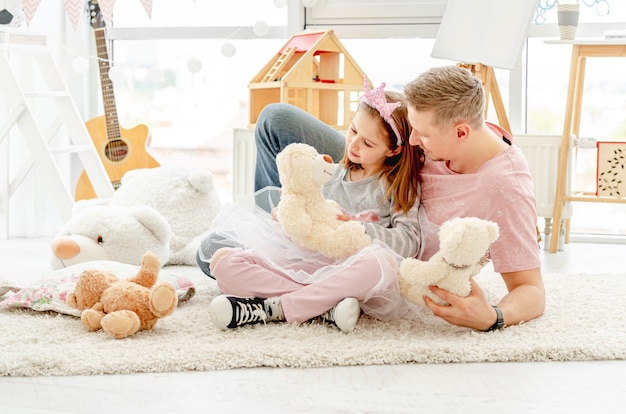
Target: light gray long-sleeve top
[{"x": 399, "y": 231}]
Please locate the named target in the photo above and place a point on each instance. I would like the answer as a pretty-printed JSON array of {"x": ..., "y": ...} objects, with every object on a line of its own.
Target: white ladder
[{"x": 21, "y": 114}]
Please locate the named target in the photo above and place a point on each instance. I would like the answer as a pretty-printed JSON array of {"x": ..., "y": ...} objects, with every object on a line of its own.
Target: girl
[{"x": 273, "y": 280}]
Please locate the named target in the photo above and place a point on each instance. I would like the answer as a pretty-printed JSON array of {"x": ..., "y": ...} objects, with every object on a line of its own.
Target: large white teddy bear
[
  {"x": 463, "y": 251},
  {"x": 186, "y": 197},
  {"x": 177, "y": 207},
  {"x": 305, "y": 215}
]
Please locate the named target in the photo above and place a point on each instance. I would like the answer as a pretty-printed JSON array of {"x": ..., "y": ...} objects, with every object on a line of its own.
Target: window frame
[{"x": 353, "y": 19}]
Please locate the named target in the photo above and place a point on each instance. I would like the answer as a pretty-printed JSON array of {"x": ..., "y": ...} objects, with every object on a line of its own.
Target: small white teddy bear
[
  {"x": 305, "y": 215},
  {"x": 463, "y": 251}
]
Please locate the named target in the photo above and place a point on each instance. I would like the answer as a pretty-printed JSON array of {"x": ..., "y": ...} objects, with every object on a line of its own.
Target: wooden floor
[{"x": 552, "y": 387}]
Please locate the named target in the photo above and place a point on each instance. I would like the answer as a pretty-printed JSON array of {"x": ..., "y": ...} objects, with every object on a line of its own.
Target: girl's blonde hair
[
  {"x": 453, "y": 93},
  {"x": 400, "y": 172}
]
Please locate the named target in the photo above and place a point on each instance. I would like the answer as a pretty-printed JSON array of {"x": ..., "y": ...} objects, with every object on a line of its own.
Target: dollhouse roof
[{"x": 299, "y": 54}]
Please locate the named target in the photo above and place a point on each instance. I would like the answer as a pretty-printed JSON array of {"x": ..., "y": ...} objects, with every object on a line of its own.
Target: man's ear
[{"x": 462, "y": 131}]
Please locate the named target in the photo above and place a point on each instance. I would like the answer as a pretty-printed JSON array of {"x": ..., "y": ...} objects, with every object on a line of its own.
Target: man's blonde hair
[{"x": 453, "y": 93}]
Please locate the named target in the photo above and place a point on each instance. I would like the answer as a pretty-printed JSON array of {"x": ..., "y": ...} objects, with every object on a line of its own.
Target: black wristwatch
[{"x": 499, "y": 322}]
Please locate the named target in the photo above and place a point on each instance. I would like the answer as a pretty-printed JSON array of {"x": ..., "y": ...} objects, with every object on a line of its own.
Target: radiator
[{"x": 542, "y": 154}]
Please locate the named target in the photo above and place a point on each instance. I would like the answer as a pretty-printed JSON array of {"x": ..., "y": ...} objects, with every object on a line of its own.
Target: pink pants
[{"x": 372, "y": 279}]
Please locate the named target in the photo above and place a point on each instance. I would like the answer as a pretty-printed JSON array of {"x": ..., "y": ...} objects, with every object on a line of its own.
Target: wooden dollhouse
[{"x": 314, "y": 72}]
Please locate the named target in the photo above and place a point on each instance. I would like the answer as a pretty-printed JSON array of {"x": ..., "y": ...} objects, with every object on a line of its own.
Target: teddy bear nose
[
  {"x": 327, "y": 158},
  {"x": 65, "y": 248}
]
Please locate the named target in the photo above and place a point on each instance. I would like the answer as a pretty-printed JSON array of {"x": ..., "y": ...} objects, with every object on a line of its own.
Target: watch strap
[{"x": 499, "y": 323}]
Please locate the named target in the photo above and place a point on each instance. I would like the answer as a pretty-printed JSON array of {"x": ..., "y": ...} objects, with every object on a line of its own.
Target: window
[
  {"x": 178, "y": 80},
  {"x": 602, "y": 118},
  {"x": 191, "y": 115}
]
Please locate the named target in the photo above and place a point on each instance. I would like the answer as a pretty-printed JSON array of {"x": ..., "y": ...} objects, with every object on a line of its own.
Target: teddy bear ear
[
  {"x": 153, "y": 221},
  {"x": 200, "y": 180}
]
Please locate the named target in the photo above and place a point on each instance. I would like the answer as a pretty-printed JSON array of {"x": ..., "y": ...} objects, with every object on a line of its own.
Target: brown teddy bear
[{"x": 123, "y": 307}]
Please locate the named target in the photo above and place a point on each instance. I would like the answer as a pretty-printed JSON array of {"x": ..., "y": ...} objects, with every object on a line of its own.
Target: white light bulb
[
  {"x": 261, "y": 28},
  {"x": 116, "y": 74},
  {"x": 194, "y": 65},
  {"x": 229, "y": 49}
]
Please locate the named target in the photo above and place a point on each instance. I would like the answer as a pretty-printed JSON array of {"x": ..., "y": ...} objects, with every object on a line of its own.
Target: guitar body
[
  {"x": 120, "y": 150},
  {"x": 118, "y": 156}
]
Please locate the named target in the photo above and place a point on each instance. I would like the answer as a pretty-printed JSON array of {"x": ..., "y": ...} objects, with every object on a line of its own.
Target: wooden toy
[{"x": 314, "y": 72}]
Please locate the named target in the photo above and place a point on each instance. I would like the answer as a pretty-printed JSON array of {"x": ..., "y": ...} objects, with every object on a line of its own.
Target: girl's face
[{"x": 367, "y": 142}]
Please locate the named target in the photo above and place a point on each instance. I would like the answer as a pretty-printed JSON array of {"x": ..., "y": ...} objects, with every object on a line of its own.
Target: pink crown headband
[{"x": 377, "y": 100}]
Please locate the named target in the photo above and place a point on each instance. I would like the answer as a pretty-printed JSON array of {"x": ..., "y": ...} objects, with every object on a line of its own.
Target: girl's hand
[{"x": 369, "y": 215}]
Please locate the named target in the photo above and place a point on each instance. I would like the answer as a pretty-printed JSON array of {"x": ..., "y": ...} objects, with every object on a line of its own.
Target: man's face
[{"x": 437, "y": 142}]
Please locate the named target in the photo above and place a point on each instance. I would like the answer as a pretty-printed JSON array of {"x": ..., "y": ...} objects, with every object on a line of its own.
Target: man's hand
[
  {"x": 526, "y": 300},
  {"x": 472, "y": 311}
]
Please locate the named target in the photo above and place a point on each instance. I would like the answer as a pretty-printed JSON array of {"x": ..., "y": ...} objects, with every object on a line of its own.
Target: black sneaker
[
  {"x": 228, "y": 312},
  {"x": 344, "y": 315}
]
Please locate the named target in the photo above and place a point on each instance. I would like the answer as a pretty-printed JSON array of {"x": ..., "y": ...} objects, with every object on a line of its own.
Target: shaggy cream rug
[{"x": 585, "y": 319}]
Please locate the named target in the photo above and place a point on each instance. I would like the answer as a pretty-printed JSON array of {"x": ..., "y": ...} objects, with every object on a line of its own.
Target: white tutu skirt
[{"x": 249, "y": 226}]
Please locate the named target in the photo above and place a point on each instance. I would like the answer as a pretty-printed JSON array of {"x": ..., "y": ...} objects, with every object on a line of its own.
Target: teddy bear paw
[
  {"x": 91, "y": 319},
  {"x": 404, "y": 286},
  {"x": 163, "y": 299},
  {"x": 120, "y": 324}
]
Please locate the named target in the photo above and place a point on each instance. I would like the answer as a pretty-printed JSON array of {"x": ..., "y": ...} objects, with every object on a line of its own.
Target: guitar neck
[{"x": 108, "y": 95}]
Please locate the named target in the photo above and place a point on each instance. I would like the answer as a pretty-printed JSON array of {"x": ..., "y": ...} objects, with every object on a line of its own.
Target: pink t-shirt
[{"x": 500, "y": 191}]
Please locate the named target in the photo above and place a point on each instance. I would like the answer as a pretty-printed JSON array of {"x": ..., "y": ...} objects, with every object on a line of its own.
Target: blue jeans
[
  {"x": 281, "y": 124},
  {"x": 216, "y": 239},
  {"x": 210, "y": 244}
]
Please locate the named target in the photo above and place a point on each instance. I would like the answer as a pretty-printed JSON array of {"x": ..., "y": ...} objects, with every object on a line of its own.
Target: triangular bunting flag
[
  {"x": 73, "y": 8},
  {"x": 30, "y": 8},
  {"x": 147, "y": 5},
  {"x": 106, "y": 7}
]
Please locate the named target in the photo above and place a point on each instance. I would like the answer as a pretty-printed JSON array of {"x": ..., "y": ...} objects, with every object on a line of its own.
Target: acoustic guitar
[{"x": 120, "y": 150}]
